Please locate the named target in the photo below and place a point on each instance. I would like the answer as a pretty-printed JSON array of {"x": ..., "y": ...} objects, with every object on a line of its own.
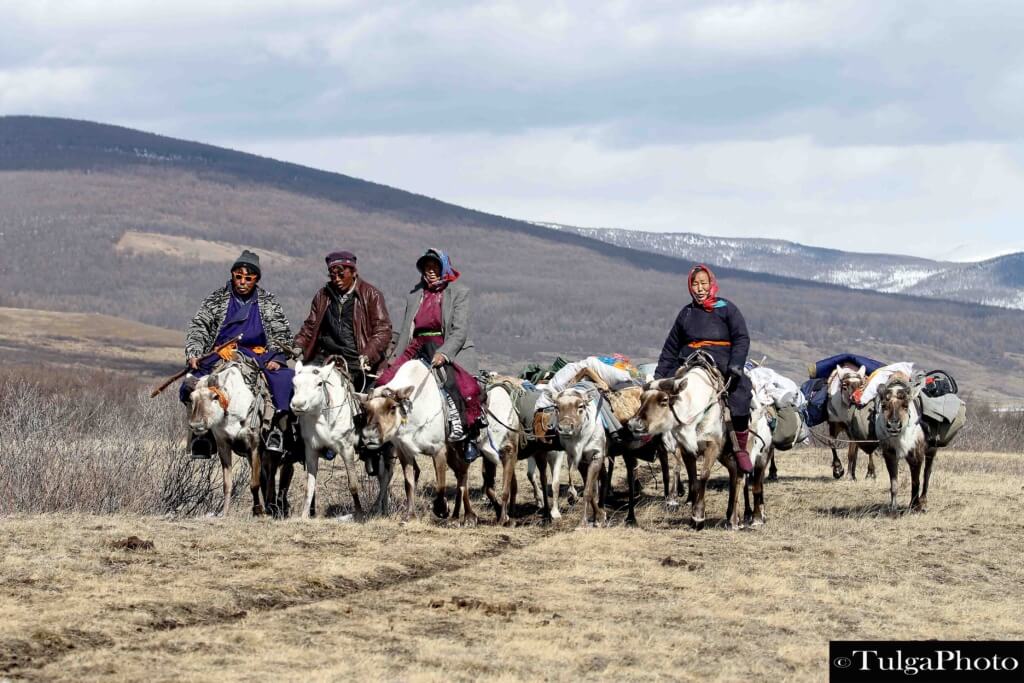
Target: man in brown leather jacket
[{"x": 347, "y": 319}]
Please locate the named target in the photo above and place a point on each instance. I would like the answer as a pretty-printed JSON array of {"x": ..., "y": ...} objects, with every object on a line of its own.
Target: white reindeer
[
  {"x": 409, "y": 413},
  {"x": 690, "y": 408},
  {"x": 326, "y": 405},
  {"x": 586, "y": 444},
  {"x": 499, "y": 443},
  {"x": 222, "y": 404}
]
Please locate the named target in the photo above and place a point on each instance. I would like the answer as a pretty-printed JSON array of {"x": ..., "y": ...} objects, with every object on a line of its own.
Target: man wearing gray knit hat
[{"x": 244, "y": 310}]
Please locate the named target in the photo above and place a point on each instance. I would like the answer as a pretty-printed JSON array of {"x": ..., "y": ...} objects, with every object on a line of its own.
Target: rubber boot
[{"x": 742, "y": 455}]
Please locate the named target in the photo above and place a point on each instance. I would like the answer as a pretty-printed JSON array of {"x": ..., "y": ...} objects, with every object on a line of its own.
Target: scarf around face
[
  {"x": 448, "y": 273},
  {"x": 711, "y": 302}
]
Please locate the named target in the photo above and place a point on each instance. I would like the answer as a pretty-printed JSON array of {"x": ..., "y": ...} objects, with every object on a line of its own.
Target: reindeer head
[
  {"x": 209, "y": 404},
  {"x": 895, "y": 407},
  {"x": 386, "y": 409},
  {"x": 571, "y": 411},
  {"x": 309, "y": 388},
  {"x": 850, "y": 381},
  {"x": 655, "y": 413}
]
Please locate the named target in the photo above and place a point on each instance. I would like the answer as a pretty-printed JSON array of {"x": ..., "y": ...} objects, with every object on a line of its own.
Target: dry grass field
[{"x": 237, "y": 598}]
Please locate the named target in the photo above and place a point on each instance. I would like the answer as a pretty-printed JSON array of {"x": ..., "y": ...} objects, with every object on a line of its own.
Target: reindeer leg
[
  {"x": 837, "y": 466},
  {"x": 312, "y": 463},
  {"x": 556, "y": 471},
  {"x": 255, "y": 470},
  {"x": 594, "y": 476},
  {"x": 736, "y": 480},
  {"x": 915, "y": 459},
  {"x": 929, "y": 458},
  {"x": 348, "y": 456},
  {"x": 748, "y": 512},
  {"x": 542, "y": 469},
  {"x": 490, "y": 480},
  {"x": 773, "y": 472},
  {"x": 410, "y": 472},
  {"x": 225, "y": 468},
  {"x": 268, "y": 483},
  {"x": 509, "y": 456},
  {"x": 759, "y": 518},
  {"x": 287, "y": 472},
  {"x": 871, "y": 466},
  {"x": 892, "y": 464},
  {"x": 708, "y": 455},
  {"x": 690, "y": 463},
  {"x": 384, "y": 473},
  {"x": 470, "y": 518},
  {"x": 851, "y": 460},
  {"x": 670, "y": 473},
  {"x": 534, "y": 479},
  {"x": 630, "y": 480},
  {"x": 440, "y": 473}
]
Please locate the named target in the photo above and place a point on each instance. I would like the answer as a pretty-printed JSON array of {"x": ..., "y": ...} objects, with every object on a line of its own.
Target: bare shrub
[
  {"x": 86, "y": 441},
  {"x": 989, "y": 428}
]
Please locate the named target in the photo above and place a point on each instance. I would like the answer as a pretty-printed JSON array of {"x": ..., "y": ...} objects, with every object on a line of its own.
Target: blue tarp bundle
[{"x": 815, "y": 390}]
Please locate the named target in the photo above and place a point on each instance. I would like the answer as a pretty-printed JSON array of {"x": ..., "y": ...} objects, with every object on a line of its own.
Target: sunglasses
[
  {"x": 339, "y": 271},
  {"x": 242, "y": 277}
]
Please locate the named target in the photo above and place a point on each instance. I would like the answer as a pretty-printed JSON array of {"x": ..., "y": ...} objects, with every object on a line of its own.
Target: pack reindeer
[
  {"x": 690, "y": 408},
  {"x": 499, "y": 443},
  {"x": 583, "y": 437},
  {"x": 326, "y": 404},
  {"x": 840, "y": 412},
  {"x": 900, "y": 436},
  {"x": 223, "y": 405}
]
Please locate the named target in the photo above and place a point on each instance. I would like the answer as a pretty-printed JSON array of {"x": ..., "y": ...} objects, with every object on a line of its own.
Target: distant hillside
[
  {"x": 100, "y": 219},
  {"x": 995, "y": 282}
]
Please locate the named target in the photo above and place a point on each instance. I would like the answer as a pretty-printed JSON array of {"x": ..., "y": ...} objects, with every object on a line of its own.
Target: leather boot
[{"x": 742, "y": 455}]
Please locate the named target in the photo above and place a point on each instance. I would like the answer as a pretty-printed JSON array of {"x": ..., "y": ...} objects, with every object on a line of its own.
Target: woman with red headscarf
[{"x": 712, "y": 324}]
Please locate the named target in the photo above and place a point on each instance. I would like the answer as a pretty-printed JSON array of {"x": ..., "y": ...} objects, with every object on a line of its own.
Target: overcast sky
[{"x": 882, "y": 126}]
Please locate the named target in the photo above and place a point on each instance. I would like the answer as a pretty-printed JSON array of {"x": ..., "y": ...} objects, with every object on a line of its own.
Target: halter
[
  {"x": 327, "y": 397},
  {"x": 222, "y": 398}
]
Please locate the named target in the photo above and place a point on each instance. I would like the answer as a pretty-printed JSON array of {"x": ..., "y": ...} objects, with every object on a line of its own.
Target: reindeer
[
  {"x": 762, "y": 456},
  {"x": 840, "y": 411},
  {"x": 500, "y": 443},
  {"x": 689, "y": 407},
  {"x": 326, "y": 405},
  {"x": 222, "y": 404},
  {"x": 586, "y": 444},
  {"x": 900, "y": 436},
  {"x": 409, "y": 413}
]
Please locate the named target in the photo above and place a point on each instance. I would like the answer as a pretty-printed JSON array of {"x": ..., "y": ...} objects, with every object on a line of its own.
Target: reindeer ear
[
  {"x": 404, "y": 393},
  {"x": 680, "y": 385},
  {"x": 327, "y": 368},
  {"x": 665, "y": 385},
  {"x": 863, "y": 371},
  {"x": 298, "y": 366},
  {"x": 214, "y": 381}
]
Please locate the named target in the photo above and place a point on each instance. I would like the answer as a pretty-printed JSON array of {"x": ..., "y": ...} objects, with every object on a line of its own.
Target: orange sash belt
[
  {"x": 228, "y": 352},
  {"x": 704, "y": 344}
]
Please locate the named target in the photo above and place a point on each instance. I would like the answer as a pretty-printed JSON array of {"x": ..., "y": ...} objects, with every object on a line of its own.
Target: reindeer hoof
[
  {"x": 772, "y": 476},
  {"x": 757, "y": 522},
  {"x": 870, "y": 474},
  {"x": 441, "y": 508},
  {"x": 698, "y": 524},
  {"x": 470, "y": 521},
  {"x": 631, "y": 522},
  {"x": 837, "y": 471},
  {"x": 672, "y": 505}
]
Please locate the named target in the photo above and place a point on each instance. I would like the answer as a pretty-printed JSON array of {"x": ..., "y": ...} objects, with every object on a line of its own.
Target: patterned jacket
[{"x": 206, "y": 323}]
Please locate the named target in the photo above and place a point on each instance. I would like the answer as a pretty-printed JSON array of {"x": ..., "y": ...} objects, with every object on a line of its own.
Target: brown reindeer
[
  {"x": 900, "y": 436},
  {"x": 840, "y": 412}
]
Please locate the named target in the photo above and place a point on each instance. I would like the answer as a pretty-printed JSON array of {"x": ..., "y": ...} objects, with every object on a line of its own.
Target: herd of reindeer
[{"x": 682, "y": 422}]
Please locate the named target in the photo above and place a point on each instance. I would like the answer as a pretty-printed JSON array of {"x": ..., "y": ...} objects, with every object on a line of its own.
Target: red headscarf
[{"x": 712, "y": 299}]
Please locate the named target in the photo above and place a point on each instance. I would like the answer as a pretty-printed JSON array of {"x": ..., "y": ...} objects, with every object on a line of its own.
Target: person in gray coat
[{"x": 435, "y": 328}]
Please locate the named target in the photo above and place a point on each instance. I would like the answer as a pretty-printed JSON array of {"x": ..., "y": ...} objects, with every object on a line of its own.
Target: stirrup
[
  {"x": 275, "y": 441},
  {"x": 200, "y": 447}
]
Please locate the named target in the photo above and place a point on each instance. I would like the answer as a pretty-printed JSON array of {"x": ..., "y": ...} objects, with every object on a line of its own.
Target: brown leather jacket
[{"x": 370, "y": 323}]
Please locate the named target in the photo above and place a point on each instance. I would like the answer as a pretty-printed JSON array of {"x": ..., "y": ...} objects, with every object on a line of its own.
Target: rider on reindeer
[
  {"x": 712, "y": 324},
  {"x": 244, "y": 310}
]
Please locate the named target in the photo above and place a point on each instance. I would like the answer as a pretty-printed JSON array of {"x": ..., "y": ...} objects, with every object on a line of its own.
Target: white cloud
[{"x": 36, "y": 89}]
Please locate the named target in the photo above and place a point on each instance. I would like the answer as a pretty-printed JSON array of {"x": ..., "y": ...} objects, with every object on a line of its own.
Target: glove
[{"x": 735, "y": 373}]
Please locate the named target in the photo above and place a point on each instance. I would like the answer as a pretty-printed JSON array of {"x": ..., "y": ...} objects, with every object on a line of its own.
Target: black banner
[{"x": 925, "y": 661}]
